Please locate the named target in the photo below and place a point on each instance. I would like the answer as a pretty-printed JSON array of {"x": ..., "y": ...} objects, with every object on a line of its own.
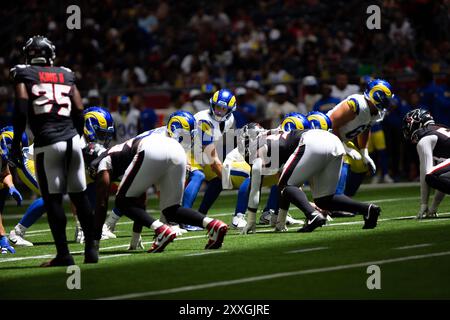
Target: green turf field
[{"x": 330, "y": 263}]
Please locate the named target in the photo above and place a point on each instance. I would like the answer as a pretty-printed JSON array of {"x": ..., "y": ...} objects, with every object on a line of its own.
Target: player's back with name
[
  {"x": 442, "y": 148},
  {"x": 284, "y": 143},
  {"x": 49, "y": 91}
]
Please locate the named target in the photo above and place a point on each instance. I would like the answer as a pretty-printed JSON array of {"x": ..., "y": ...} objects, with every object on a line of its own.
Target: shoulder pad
[{"x": 354, "y": 105}]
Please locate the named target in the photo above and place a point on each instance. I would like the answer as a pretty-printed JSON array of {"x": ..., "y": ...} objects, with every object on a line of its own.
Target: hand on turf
[
  {"x": 423, "y": 211},
  {"x": 249, "y": 228},
  {"x": 280, "y": 227},
  {"x": 13, "y": 192}
]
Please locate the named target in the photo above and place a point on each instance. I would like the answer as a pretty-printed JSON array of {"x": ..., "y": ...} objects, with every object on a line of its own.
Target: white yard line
[
  {"x": 115, "y": 256},
  {"x": 272, "y": 276},
  {"x": 204, "y": 253},
  {"x": 413, "y": 246},
  {"x": 307, "y": 250}
]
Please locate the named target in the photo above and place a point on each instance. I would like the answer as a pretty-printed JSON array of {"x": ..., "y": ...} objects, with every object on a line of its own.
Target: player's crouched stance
[
  {"x": 314, "y": 156},
  {"x": 433, "y": 143},
  {"x": 153, "y": 159}
]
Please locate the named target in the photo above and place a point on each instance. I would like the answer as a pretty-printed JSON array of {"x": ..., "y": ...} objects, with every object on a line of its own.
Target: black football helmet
[
  {"x": 413, "y": 121},
  {"x": 247, "y": 138},
  {"x": 39, "y": 50}
]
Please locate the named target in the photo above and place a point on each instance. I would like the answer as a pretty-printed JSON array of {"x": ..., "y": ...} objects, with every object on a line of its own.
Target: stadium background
[{"x": 161, "y": 52}]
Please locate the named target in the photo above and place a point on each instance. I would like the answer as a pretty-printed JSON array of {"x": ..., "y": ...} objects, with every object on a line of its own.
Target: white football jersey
[
  {"x": 219, "y": 129},
  {"x": 363, "y": 120},
  {"x": 126, "y": 126}
]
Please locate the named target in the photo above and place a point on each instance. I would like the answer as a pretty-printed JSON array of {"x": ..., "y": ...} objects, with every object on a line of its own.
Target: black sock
[
  {"x": 212, "y": 192},
  {"x": 130, "y": 207},
  {"x": 137, "y": 227},
  {"x": 179, "y": 214},
  {"x": 341, "y": 203},
  {"x": 299, "y": 199},
  {"x": 57, "y": 222},
  {"x": 84, "y": 213}
]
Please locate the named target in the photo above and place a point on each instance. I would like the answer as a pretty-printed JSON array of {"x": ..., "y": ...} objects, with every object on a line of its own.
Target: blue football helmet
[
  {"x": 180, "y": 126},
  {"x": 98, "y": 125},
  {"x": 319, "y": 120},
  {"x": 379, "y": 92},
  {"x": 222, "y": 104},
  {"x": 6, "y": 139},
  {"x": 293, "y": 121}
]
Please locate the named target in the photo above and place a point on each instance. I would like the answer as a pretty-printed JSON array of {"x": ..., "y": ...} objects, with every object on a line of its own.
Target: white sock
[
  {"x": 282, "y": 214},
  {"x": 135, "y": 237},
  {"x": 206, "y": 221},
  {"x": 112, "y": 219},
  {"x": 156, "y": 224},
  {"x": 20, "y": 229}
]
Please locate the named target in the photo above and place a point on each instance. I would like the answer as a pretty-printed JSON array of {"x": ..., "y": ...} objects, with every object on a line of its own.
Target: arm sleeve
[
  {"x": 425, "y": 150},
  {"x": 255, "y": 185}
]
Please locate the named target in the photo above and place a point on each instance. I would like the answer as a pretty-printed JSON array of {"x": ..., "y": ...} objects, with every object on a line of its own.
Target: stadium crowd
[{"x": 278, "y": 56}]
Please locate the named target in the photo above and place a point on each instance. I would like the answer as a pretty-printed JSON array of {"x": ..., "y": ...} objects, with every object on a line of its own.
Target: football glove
[
  {"x": 13, "y": 192},
  {"x": 352, "y": 153},
  {"x": 368, "y": 161},
  {"x": 423, "y": 211},
  {"x": 6, "y": 246},
  {"x": 251, "y": 223}
]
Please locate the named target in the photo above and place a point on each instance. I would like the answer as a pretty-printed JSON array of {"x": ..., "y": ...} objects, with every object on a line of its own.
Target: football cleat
[
  {"x": 370, "y": 220},
  {"x": 107, "y": 233},
  {"x": 163, "y": 236},
  {"x": 317, "y": 220},
  {"x": 18, "y": 240},
  {"x": 290, "y": 220},
  {"x": 91, "y": 252},
  {"x": 179, "y": 231},
  {"x": 239, "y": 221},
  {"x": 59, "y": 262},
  {"x": 266, "y": 216},
  {"x": 216, "y": 232},
  {"x": 188, "y": 227}
]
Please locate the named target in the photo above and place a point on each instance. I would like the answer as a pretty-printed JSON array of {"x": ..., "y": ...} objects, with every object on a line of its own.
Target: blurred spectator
[
  {"x": 126, "y": 120},
  {"x": 94, "y": 98},
  {"x": 400, "y": 29},
  {"x": 256, "y": 99},
  {"x": 279, "y": 105},
  {"x": 342, "y": 89},
  {"x": 148, "y": 117},
  {"x": 429, "y": 93},
  {"x": 326, "y": 102},
  {"x": 310, "y": 93},
  {"x": 245, "y": 112}
]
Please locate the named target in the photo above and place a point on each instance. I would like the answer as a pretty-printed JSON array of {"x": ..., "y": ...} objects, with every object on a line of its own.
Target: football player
[
  {"x": 204, "y": 160},
  {"x": 50, "y": 98},
  {"x": 157, "y": 158},
  {"x": 98, "y": 131},
  {"x": 353, "y": 117},
  {"x": 300, "y": 156},
  {"x": 433, "y": 142}
]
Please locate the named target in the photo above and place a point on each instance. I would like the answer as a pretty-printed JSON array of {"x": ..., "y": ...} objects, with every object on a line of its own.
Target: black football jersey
[
  {"x": 283, "y": 143},
  {"x": 121, "y": 157},
  {"x": 442, "y": 148},
  {"x": 49, "y": 90}
]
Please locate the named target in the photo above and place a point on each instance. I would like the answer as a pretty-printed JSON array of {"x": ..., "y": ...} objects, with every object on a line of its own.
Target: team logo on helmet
[
  {"x": 379, "y": 92},
  {"x": 98, "y": 125},
  {"x": 293, "y": 121},
  {"x": 319, "y": 120},
  {"x": 180, "y": 126},
  {"x": 222, "y": 104}
]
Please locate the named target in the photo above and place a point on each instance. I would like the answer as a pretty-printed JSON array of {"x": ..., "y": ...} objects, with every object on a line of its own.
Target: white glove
[
  {"x": 423, "y": 211},
  {"x": 251, "y": 223},
  {"x": 368, "y": 161},
  {"x": 352, "y": 153}
]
